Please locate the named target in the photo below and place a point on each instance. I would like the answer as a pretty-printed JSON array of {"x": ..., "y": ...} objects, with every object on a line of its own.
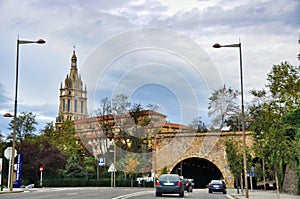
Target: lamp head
[
  {"x": 8, "y": 115},
  {"x": 216, "y": 45},
  {"x": 41, "y": 41}
]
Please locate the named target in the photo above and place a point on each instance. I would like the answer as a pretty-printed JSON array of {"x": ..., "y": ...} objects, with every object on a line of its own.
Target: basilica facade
[{"x": 72, "y": 97}]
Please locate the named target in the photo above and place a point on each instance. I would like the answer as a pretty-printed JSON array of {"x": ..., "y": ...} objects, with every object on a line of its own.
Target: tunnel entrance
[{"x": 199, "y": 169}]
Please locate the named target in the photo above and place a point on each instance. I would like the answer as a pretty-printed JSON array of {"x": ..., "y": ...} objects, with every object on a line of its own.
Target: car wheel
[
  {"x": 157, "y": 194},
  {"x": 181, "y": 194},
  {"x": 209, "y": 191},
  {"x": 224, "y": 192}
]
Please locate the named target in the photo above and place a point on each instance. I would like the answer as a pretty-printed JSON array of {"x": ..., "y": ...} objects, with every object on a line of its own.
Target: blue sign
[
  {"x": 17, "y": 183},
  {"x": 101, "y": 162}
]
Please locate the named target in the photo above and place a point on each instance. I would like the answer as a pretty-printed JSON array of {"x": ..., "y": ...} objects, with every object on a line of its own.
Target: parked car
[
  {"x": 169, "y": 184},
  {"x": 188, "y": 184},
  {"x": 217, "y": 186}
]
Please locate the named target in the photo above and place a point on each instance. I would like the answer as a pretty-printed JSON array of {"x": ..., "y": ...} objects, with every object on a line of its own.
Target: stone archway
[{"x": 199, "y": 169}]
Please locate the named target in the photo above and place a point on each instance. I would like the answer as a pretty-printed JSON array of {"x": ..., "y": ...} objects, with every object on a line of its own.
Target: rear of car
[
  {"x": 217, "y": 186},
  {"x": 169, "y": 184}
]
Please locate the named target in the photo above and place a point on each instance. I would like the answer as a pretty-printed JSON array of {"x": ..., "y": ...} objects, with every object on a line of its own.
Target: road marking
[
  {"x": 72, "y": 194},
  {"x": 133, "y": 194}
]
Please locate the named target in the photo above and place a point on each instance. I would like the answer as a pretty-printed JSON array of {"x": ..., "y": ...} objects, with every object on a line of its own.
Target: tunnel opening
[{"x": 199, "y": 169}]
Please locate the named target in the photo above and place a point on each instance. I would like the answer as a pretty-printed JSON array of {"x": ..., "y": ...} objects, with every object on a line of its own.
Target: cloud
[
  {"x": 4, "y": 100},
  {"x": 268, "y": 30}
]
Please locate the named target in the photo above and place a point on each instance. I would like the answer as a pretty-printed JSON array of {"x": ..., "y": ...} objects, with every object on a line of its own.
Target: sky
[{"x": 156, "y": 51}]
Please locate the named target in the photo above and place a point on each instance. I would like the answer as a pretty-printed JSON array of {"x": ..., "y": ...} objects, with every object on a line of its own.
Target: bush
[{"x": 82, "y": 182}]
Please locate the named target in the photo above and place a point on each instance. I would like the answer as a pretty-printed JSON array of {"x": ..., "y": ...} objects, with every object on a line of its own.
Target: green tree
[
  {"x": 234, "y": 156},
  {"x": 284, "y": 85},
  {"x": 222, "y": 101},
  {"x": 73, "y": 168},
  {"x": 25, "y": 126},
  {"x": 291, "y": 123},
  {"x": 67, "y": 140},
  {"x": 272, "y": 142},
  {"x": 89, "y": 165}
]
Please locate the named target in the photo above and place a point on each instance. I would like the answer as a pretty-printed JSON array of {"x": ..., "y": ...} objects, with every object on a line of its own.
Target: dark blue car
[
  {"x": 169, "y": 184},
  {"x": 217, "y": 186}
]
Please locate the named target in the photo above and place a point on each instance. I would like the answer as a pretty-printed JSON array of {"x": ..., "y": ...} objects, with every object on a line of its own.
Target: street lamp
[
  {"x": 40, "y": 41},
  {"x": 243, "y": 111}
]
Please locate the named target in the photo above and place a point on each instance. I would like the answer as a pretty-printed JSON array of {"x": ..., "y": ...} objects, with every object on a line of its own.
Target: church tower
[{"x": 72, "y": 98}]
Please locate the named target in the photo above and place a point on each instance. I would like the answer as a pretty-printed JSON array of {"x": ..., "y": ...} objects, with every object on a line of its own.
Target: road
[{"x": 105, "y": 193}]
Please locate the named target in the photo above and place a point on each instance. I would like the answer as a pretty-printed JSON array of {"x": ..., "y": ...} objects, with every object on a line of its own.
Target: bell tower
[{"x": 72, "y": 98}]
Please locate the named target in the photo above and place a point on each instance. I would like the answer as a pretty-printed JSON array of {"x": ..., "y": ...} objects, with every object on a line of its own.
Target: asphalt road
[{"x": 105, "y": 193}]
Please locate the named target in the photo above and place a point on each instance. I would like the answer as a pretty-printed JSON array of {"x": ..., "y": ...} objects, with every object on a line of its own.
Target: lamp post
[
  {"x": 40, "y": 41},
  {"x": 243, "y": 111}
]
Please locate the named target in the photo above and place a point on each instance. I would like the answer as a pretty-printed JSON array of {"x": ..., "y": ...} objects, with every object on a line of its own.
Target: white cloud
[{"x": 268, "y": 30}]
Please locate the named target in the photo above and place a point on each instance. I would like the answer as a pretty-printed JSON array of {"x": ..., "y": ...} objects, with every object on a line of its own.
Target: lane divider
[{"x": 133, "y": 194}]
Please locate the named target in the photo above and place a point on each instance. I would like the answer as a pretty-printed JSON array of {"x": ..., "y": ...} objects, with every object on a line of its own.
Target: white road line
[{"x": 133, "y": 194}]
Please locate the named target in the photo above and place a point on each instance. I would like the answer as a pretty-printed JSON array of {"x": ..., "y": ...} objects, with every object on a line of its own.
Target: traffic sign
[
  {"x": 112, "y": 168},
  {"x": 101, "y": 162},
  {"x": 8, "y": 152}
]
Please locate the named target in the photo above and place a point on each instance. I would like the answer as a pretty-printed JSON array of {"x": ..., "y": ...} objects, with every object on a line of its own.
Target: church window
[
  {"x": 64, "y": 105},
  {"x": 81, "y": 107},
  {"x": 75, "y": 106},
  {"x": 69, "y": 103}
]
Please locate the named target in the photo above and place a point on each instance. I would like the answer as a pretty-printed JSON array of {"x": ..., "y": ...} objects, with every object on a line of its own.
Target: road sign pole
[
  {"x": 111, "y": 179},
  {"x": 41, "y": 183},
  {"x": 97, "y": 171},
  {"x": 8, "y": 155},
  {"x": 251, "y": 183},
  {"x": 41, "y": 178},
  {"x": 9, "y": 171}
]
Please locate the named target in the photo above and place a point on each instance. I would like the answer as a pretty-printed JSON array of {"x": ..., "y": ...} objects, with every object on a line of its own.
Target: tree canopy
[
  {"x": 222, "y": 101},
  {"x": 274, "y": 123}
]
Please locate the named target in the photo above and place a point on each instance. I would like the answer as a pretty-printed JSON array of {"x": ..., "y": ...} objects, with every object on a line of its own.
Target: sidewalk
[
  {"x": 15, "y": 190},
  {"x": 260, "y": 194}
]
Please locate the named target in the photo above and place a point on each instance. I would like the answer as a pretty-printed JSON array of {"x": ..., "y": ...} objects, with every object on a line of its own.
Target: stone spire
[
  {"x": 73, "y": 97},
  {"x": 73, "y": 70}
]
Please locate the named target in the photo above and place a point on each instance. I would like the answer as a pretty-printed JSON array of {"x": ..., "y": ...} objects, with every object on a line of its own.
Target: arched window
[
  {"x": 64, "y": 105},
  {"x": 69, "y": 104},
  {"x": 75, "y": 106},
  {"x": 81, "y": 107}
]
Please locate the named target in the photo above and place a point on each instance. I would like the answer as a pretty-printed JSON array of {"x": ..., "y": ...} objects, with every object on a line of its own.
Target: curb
[
  {"x": 231, "y": 196},
  {"x": 7, "y": 192}
]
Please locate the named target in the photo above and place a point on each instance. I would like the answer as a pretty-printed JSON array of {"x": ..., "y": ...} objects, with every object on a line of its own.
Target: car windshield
[
  {"x": 216, "y": 182},
  {"x": 169, "y": 178}
]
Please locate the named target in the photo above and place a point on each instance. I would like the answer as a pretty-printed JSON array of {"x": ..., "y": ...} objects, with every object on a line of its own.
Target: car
[
  {"x": 188, "y": 184},
  {"x": 169, "y": 184},
  {"x": 217, "y": 186}
]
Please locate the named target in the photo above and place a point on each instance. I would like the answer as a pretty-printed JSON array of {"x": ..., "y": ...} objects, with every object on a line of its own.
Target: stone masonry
[{"x": 173, "y": 148}]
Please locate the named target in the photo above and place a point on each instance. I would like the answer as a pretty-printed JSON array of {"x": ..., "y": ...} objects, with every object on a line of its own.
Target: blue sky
[{"x": 154, "y": 51}]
